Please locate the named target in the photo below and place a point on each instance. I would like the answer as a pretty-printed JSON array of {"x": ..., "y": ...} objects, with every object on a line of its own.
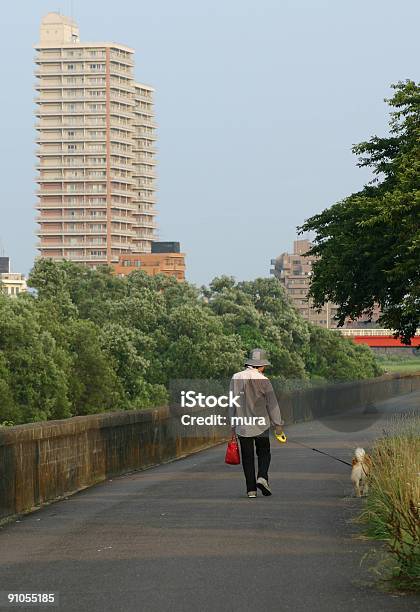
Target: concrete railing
[{"x": 43, "y": 462}]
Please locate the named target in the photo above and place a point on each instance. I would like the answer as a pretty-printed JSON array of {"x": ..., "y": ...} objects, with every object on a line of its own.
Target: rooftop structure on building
[
  {"x": 166, "y": 247},
  {"x": 4, "y": 265},
  {"x": 96, "y": 148}
]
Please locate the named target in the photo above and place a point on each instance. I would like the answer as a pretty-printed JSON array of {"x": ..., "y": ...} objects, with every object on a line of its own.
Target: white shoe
[
  {"x": 263, "y": 486},
  {"x": 252, "y": 494}
]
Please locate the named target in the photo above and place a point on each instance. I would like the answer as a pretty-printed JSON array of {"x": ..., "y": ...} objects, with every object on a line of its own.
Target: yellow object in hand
[{"x": 281, "y": 437}]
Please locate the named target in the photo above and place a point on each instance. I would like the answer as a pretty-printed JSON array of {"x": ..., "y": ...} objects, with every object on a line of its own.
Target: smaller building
[
  {"x": 159, "y": 261},
  {"x": 12, "y": 283}
]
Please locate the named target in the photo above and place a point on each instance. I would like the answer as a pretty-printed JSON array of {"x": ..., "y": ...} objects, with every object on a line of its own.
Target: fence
[{"x": 43, "y": 462}]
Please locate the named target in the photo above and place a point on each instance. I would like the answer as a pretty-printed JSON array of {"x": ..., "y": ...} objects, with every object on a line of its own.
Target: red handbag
[{"x": 232, "y": 452}]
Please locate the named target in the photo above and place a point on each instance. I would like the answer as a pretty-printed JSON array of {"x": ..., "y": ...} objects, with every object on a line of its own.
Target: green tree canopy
[
  {"x": 88, "y": 341},
  {"x": 369, "y": 244}
]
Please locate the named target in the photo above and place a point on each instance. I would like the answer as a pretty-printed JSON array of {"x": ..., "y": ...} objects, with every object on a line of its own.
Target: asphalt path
[{"x": 184, "y": 537}]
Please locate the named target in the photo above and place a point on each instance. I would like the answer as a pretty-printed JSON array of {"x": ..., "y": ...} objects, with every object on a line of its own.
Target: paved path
[{"x": 182, "y": 537}]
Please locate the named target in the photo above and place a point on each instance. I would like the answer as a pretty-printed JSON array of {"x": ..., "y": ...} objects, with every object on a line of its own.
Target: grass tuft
[{"x": 392, "y": 511}]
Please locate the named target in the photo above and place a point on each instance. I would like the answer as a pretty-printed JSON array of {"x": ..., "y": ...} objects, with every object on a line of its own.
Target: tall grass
[{"x": 392, "y": 511}]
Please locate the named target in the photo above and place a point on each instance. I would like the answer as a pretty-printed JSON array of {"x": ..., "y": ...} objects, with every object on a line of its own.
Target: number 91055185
[{"x": 27, "y": 599}]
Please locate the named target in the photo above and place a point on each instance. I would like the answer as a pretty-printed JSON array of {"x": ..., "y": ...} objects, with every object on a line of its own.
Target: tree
[
  {"x": 335, "y": 358},
  {"x": 368, "y": 245},
  {"x": 93, "y": 382},
  {"x": 261, "y": 314},
  {"x": 197, "y": 345},
  {"x": 33, "y": 367}
]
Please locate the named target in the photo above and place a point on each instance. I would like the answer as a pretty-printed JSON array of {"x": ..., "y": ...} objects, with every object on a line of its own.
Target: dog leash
[{"x": 316, "y": 450}]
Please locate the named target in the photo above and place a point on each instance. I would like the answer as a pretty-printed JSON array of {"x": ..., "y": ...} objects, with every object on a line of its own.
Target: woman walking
[{"x": 257, "y": 409}]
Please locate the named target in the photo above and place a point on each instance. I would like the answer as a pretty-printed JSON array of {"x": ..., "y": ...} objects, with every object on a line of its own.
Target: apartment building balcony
[
  {"x": 50, "y": 55},
  {"x": 138, "y": 172},
  {"x": 129, "y": 233},
  {"x": 122, "y": 139},
  {"x": 100, "y": 259},
  {"x": 62, "y": 191},
  {"x": 122, "y": 57},
  {"x": 142, "y": 97},
  {"x": 72, "y": 179},
  {"x": 116, "y": 150},
  {"x": 123, "y": 98},
  {"x": 42, "y": 98},
  {"x": 120, "y": 166},
  {"x": 123, "y": 113},
  {"x": 122, "y": 178},
  {"x": 72, "y": 219},
  {"x": 147, "y": 134},
  {"x": 42, "y": 112},
  {"x": 72, "y": 245},
  {"x": 42, "y": 205},
  {"x": 48, "y": 69},
  {"x": 148, "y": 123},
  {"x": 147, "y": 224},
  {"x": 117, "y": 69},
  {"x": 145, "y": 198},
  {"x": 123, "y": 85},
  {"x": 142, "y": 158},
  {"x": 122, "y": 219},
  {"x": 69, "y": 232},
  {"x": 50, "y": 179},
  {"x": 47, "y": 84},
  {"x": 145, "y": 209},
  {"x": 65, "y": 165},
  {"x": 120, "y": 210},
  {"x": 64, "y": 141},
  {"x": 119, "y": 191},
  {"x": 58, "y": 124},
  {"x": 44, "y": 152},
  {"x": 50, "y": 245},
  {"x": 116, "y": 124},
  {"x": 60, "y": 66},
  {"x": 139, "y": 147}
]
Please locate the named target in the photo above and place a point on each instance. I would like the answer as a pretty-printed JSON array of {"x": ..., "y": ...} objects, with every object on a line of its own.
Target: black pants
[{"x": 262, "y": 446}]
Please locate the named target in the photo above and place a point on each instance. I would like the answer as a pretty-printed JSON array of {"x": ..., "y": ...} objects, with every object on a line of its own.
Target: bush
[{"x": 392, "y": 509}]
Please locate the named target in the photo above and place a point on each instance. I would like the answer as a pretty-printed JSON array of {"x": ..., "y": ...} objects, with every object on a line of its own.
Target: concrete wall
[{"x": 43, "y": 462}]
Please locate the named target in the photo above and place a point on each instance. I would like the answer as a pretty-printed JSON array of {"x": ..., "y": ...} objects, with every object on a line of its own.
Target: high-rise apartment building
[
  {"x": 96, "y": 155},
  {"x": 294, "y": 272}
]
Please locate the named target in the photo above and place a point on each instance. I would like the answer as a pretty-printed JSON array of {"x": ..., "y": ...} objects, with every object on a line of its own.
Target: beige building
[
  {"x": 12, "y": 283},
  {"x": 294, "y": 272},
  {"x": 96, "y": 148}
]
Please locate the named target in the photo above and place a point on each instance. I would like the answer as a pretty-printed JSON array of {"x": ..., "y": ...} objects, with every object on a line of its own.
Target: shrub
[{"x": 392, "y": 510}]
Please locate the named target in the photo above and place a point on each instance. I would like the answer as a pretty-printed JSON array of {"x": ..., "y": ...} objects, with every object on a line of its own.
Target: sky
[{"x": 258, "y": 105}]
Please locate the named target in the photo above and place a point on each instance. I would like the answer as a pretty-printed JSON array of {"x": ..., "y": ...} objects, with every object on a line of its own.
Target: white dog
[{"x": 359, "y": 474}]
